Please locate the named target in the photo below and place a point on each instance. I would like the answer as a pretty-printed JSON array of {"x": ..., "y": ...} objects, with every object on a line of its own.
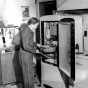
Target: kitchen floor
[{"x": 81, "y": 71}]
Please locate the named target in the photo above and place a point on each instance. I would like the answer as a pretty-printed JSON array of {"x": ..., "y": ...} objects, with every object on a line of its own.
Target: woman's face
[{"x": 33, "y": 26}]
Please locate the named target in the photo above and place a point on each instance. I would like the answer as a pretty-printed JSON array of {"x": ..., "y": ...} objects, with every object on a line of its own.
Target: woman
[{"x": 26, "y": 41}]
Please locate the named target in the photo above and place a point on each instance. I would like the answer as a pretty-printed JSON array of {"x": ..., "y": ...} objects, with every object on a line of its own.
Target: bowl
[{"x": 49, "y": 49}]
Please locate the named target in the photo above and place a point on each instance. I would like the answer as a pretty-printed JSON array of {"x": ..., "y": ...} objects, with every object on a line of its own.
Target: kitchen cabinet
[{"x": 10, "y": 70}]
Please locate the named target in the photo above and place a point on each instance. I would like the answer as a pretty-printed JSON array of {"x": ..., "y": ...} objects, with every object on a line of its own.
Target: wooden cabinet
[{"x": 10, "y": 70}]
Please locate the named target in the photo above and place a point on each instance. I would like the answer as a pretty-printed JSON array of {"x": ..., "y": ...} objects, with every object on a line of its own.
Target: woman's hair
[{"x": 33, "y": 20}]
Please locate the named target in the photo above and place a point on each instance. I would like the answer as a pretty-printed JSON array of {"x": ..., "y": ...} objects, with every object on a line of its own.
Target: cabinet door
[{"x": 8, "y": 73}]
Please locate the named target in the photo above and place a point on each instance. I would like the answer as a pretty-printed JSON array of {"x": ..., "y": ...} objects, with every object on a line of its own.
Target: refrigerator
[{"x": 64, "y": 32}]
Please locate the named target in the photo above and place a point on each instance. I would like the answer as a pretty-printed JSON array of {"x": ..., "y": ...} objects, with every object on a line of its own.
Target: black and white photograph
[{"x": 43, "y": 43}]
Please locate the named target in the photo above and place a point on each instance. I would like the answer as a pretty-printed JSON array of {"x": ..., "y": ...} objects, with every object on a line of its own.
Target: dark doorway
[{"x": 47, "y": 8}]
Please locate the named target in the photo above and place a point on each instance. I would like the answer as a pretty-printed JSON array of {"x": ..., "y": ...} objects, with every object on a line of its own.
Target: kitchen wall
[
  {"x": 85, "y": 31},
  {"x": 11, "y": 11},
  {"x": 30, "y": 3},
  {"x": 32, "y": 8},
  {"x": 60, "y": 2}
]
